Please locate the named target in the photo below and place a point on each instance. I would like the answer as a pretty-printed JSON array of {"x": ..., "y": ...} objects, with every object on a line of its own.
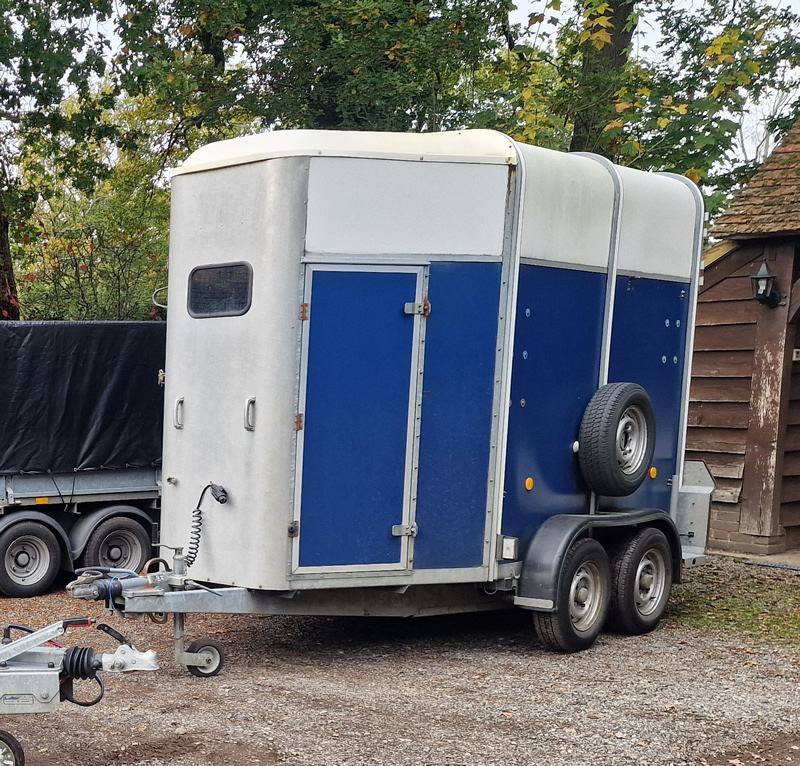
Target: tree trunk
[
  {"x": 600, "y": 79},
  {"x": 9, "y": 306}
]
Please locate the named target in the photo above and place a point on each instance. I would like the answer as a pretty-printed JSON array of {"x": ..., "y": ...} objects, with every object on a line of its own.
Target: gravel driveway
[{"x": 471, "y": 690}]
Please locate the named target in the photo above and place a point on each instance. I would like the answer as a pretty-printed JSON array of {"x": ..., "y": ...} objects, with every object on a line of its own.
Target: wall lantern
[{"x": 764, "y": 289}]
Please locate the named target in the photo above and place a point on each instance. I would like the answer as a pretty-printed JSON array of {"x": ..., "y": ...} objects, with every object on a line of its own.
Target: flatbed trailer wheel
[
  {"x": 118, "y": 542},
  {"x": 214, "y": 653},
  {"x": 583, "y": 600},
  {"x": 30, "y": 558},
  {"x": 641, "y": 581},
  {"x": 11, "y": 753}
]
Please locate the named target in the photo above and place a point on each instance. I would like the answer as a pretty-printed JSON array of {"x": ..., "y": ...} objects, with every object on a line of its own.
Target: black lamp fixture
[{"x": 764, "y": 289}]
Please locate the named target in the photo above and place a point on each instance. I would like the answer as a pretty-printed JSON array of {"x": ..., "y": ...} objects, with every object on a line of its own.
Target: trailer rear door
[{"x": 358, "y": 427}]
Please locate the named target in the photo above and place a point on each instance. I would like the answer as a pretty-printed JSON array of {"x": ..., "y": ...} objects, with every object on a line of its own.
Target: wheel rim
[
  {"x": 631, "y": 439},
  {"x": 7, "y": 757},
  {"x": 214, "y": 659},
  {"x": 651, "y": 580},
  {"x": 27, "y": 560},
  {"x": 120, "y": 549},
  {"x": 586, "y": 596}
]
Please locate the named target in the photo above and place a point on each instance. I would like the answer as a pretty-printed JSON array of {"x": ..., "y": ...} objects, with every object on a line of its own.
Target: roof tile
[{"x": 770, "y": 203}]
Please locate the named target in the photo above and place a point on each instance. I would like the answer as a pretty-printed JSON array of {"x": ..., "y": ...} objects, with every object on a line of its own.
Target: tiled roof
[{"x": 770, "y": 204}]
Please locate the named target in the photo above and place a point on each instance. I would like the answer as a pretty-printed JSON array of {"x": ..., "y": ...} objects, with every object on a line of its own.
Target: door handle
[
  {"x": 177, "y": 413},
  {"x": 249, "y": 414}
]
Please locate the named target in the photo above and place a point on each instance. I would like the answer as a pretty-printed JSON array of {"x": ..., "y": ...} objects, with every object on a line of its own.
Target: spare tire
[{"x": 617, "y": 439}]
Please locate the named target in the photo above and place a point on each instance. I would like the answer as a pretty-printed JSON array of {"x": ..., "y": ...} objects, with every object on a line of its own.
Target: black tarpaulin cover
[{"x": 80, "y": 395}]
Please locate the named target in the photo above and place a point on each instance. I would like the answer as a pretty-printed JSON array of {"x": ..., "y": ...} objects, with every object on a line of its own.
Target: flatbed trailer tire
[
  {"x": 30, "y": 559},
  {"x": 119, "y": 542}
]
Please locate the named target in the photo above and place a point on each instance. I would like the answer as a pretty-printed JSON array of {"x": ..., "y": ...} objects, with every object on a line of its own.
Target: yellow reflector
[
  {"x": 42, "y": 500},
  {"x": 653, "y": 472},
  {"x": 529, "y": 483}
]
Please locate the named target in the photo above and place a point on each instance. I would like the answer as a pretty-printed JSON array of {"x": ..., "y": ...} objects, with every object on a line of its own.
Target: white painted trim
[
  {"x": 694, "y": 289},
  {"x": 401, "y": 259},
  {"x": 505, "y": 348}
]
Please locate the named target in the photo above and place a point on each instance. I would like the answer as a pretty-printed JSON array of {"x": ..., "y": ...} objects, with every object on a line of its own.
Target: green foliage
[
  {"x": 49, "y": 51},
  {"x": 361, "y": 64},
  {"x": 81, "y": 171},
  {"x": 98, "y": 254},
  {"x": 678, "y": 106}
]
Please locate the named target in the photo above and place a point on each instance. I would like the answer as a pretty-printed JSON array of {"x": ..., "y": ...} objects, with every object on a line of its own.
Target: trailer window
[{"x": 220, "y": 291}]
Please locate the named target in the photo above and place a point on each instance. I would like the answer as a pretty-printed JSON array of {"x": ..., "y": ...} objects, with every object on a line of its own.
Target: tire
[
  {"x": 641, "y": 581},
  {"x": 213, "y": 649},
  {"x": 118, "y": 542},
  {"x": 617, "y": 439},
  {"x": 11, "y": 753},
  {"x": 582, "y": 602},
  {"x": 30, "y": 558}
]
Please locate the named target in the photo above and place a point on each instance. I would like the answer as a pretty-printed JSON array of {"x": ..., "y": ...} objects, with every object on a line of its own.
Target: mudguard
[
  {"x": 88, "y": 522},
  {"x": 10, "y": 518},
  {"x": 540, "y": 581}
]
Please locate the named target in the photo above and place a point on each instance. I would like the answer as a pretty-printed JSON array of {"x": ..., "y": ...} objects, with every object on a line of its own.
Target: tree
[
  {"x": 48, "y": 50},
  {"x": 679, "y": 104},
  {"x": 364, "y": 64},
  {"x": 99, "y": 253}
]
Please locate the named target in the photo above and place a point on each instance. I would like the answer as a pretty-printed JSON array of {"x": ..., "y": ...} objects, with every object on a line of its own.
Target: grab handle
[
  {"x": 249, "y": 414},
  {"x": 177, "y": 413}
]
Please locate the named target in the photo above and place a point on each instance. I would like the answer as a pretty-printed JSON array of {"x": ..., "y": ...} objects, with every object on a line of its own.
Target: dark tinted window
[{"x": 220, "y": 291}]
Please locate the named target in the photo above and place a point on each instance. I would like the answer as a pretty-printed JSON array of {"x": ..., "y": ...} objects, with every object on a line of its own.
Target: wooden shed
[{"x": 744, "y": 416}]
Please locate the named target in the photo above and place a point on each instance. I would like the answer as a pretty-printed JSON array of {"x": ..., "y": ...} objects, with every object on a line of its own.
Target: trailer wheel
[
  {"x": 583, "y": 600},
  {"x": 214, "y": 654},
  {"x": 641, "y": 580},
  {"x": 30, "y": 558},
  {"x": 11, "y": 753},
  {"x": 118, "y": 542},
  {"x": 617, "y": 438}
]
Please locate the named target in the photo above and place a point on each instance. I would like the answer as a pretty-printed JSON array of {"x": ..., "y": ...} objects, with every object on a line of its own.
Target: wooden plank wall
[
  {"x": 719, "y": 409},
  {"x": 790, "y": 490}
]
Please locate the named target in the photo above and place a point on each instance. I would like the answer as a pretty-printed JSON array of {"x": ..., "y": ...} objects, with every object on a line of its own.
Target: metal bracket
[
  {"x": 404, "y": 530},
  {"x": 423, "y": 308}
]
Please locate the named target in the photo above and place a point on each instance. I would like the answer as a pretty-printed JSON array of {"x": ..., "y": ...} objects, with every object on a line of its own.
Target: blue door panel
[
  {"x": 356, "y": 417},
  {"x": 559, "y": 326},
  {"x": 455, "y": 440},
  {"x": 648, "y": 342}
]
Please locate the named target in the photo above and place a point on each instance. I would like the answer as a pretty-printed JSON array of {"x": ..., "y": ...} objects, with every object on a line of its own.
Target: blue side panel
[
  {"x": 559, "y": 327},
  {"x": 455, "y": 437},
  {"x": 648, "y": 341},
  {"x": 356, "y": 417}
]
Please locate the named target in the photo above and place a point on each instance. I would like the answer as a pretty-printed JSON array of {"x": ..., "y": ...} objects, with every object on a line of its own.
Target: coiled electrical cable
[{"x": 196, "y": 531}]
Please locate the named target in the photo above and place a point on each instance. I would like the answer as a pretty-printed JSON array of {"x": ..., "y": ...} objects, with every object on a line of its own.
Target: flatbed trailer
[{"x": 81, "y": 414}]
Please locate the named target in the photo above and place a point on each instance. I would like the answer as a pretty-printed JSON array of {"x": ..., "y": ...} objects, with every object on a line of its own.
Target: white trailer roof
[{"x": 470, "y": 146}]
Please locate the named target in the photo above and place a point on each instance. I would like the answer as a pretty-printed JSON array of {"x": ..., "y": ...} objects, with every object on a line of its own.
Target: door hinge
[
  {"x": 303, "y": 312},
  {"x": 294, "y": 529},
  {"x": 404, "y": 530},
  {"x": 298, "y": 423},
  {"x": 423, "y": 308}
]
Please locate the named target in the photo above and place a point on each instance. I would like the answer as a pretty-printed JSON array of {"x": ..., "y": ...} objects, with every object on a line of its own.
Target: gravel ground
[{"x": 471, "y": 690}]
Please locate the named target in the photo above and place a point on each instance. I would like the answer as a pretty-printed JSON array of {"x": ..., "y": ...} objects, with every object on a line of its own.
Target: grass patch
[{"x": 749, "y": 601}]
